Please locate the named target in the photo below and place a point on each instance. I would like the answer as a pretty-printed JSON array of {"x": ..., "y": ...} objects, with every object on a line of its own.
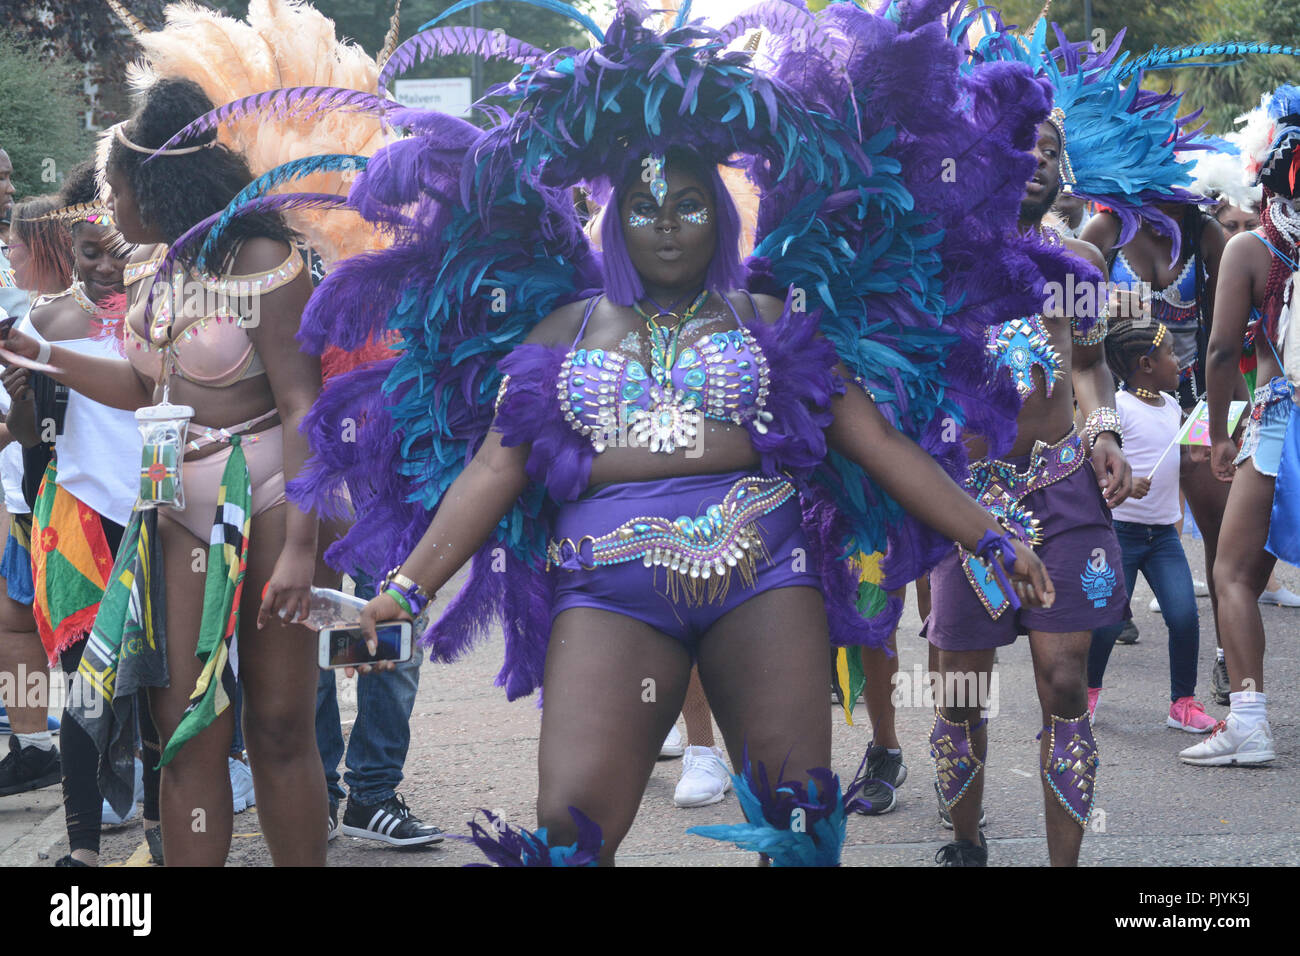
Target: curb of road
[{"x": 28, "y": 849}]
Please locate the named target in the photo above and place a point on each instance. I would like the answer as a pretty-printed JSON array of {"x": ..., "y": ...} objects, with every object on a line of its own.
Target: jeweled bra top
[
  {"x": 211, "y": 349},
  {"x": 1019, "y": 346},
  {"x": 1174, "y": 305},
  {"x": 723, "y": 376}
]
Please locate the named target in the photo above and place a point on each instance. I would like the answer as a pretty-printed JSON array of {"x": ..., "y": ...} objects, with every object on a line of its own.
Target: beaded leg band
[
  {"x": 503, "y": 845},
  {"x": 955, "y": 763},
  {"x": 790, "y": 822},
  {"x": 1071, "y": 767}
]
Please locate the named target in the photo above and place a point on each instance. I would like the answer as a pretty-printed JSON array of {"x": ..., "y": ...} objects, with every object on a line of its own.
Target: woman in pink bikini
[{"x": 224, "y": 345}]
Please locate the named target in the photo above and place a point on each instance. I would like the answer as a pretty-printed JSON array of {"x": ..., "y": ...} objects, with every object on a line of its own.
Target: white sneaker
[
  {"x": 705, "y": 778},
  {"x": 1202, "y": 589},
  {"x": 1232, "y": 744},
  {"x": 673, "y": 745},
  {"x": 1154, "y": 606},
  {"x": 241, "y": 785},
  {"x": 1281, "y": 597}
]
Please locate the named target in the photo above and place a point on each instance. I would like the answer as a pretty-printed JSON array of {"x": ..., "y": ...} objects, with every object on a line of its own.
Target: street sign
[{"x": 450, "y": 95}]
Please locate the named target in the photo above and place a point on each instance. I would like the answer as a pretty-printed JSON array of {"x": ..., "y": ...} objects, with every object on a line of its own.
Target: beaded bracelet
[{"x": 1000, "y": 553}]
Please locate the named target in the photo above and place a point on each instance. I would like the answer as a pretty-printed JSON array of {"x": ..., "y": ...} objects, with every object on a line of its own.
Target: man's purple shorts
[{"x": 1082, "y": 557}]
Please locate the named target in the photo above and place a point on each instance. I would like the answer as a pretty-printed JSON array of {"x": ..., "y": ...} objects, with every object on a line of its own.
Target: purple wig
[{"x": 623, "y": 284}]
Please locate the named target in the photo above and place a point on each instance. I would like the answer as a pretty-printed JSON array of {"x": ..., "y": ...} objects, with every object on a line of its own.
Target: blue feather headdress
[
  {"x": 1121, "y": 141},
  {"x": 851, "y": 142}
]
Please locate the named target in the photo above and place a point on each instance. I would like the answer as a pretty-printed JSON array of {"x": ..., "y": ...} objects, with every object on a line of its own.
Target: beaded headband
[
  {"x": 91, "y": 212},
  {"x": 1057, "y": 119},
  {"x": 175, "y": 151}
]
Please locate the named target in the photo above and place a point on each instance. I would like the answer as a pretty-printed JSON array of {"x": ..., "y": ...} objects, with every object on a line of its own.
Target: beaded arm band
[
  {"x": 1100, "y": 420},
  {"x": 1095, "y": 335},
  {"x": 1000, "y": 553}
]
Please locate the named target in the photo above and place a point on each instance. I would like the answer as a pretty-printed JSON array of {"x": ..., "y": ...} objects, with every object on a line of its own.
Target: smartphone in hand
[{"x": 346, "y": 646}]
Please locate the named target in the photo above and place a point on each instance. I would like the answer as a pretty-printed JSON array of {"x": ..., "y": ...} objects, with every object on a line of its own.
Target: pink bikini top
[{"x": 207, "y": 342}]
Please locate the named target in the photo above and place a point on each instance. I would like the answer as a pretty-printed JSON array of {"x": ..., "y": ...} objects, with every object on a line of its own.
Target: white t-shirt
[
  {"x": 99, "y": 450},
  {"x": 11, "y": 458},
  {"x": 1148, "y": 430}
]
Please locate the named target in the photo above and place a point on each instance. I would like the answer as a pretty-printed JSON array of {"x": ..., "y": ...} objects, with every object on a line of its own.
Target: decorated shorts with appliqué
[
  {"x": 1261, "y": 442},
  {"x": 1049, "y": 499},
  {"x": 679, "y": 553}
]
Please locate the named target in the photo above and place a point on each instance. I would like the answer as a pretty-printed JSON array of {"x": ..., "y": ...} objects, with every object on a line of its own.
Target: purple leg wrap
[
  {"x": 1071, "y": 769},
  {"x": 955, "y": 763}
]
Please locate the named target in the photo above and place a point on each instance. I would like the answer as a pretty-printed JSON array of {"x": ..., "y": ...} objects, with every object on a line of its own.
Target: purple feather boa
[
  {"x": 343, "y": 472},
  {"x": 560, "y": 458},
  {"x": 803, "y": 380},
  {"x": 500, "y": 588}
]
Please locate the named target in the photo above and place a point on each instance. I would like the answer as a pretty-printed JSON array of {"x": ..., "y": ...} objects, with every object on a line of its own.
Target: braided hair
[{"x": 1126, "y": 342}]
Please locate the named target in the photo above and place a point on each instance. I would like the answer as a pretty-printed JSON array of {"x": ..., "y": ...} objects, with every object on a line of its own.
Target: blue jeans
[
  {"x": 376, "y": 750},
  {"x": 1157, "y": 552}
]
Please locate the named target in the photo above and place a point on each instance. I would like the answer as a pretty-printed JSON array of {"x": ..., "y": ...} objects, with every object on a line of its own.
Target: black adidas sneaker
[{"x": 389, "y": 822}]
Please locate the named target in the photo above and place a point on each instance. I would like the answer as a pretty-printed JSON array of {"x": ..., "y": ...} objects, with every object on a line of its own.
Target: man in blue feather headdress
[{"x": 1053, "y": 489}]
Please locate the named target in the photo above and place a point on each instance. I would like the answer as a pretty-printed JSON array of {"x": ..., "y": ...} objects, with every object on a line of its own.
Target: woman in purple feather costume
[{"x": 668, "y": 417}]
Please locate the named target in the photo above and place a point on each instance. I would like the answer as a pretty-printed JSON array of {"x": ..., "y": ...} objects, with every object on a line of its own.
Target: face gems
[
  {"x": 640, "y": 222},
  {"x": 652, "y": 172},
  {"x": 699, "y": 218}
]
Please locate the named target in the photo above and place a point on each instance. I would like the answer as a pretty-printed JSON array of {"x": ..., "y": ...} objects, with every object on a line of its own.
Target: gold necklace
[
  {"x": 82, "y": 299},
  {"x": 1143, "y": 392}
]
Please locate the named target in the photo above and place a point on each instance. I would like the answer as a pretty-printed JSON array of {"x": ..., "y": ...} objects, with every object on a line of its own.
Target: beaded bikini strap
[{"x": 591, "y": 307}]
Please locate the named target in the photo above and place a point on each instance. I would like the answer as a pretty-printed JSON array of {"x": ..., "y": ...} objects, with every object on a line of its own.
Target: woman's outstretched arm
[{"x": 470, "y": 511}]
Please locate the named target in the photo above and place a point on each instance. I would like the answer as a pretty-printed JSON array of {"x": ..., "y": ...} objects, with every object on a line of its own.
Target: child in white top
[{"x": 1140, "y": 353}]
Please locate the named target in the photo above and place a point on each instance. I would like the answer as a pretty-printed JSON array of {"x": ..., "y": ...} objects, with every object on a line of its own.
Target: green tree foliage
[
  {"x": 41, "y": 124},
  {"x": 86, "y": 32},
  {"x": 1228, "y": 91}
]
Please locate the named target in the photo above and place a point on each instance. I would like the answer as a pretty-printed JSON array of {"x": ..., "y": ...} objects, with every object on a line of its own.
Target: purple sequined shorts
[
  {"x": 1082, "y": 557},
  {"x": 679, "y": 553}
]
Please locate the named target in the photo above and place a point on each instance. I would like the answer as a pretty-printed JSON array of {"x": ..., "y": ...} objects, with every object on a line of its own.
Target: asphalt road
[{"x": 470, "y": 748}]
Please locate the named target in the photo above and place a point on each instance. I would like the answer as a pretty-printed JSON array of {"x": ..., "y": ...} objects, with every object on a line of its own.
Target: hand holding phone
[{"x": 347, "y": 646}]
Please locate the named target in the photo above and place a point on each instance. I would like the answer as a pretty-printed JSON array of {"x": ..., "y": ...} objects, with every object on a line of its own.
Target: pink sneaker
[
  {"x": 1186, "y": 713},
  {"x": 1093, "y": 694}
]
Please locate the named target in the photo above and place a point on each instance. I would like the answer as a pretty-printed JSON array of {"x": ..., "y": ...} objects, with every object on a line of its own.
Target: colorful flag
[
  {"x": 848, "y": 673},
  {"x": 1196, "y": 430},
  {"x": 71, "y": 561},
  {"x": 125, "y": 652},
  {"x": 227, "y": 563}
]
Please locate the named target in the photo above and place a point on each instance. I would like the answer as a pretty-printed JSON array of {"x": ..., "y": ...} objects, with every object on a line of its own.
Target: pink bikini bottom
[{"x": 201, "y": 479}]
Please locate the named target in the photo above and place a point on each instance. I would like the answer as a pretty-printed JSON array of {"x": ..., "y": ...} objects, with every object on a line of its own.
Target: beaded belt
[
  {"x": 1000, "y": 487},
  {"x": 1268, "y": 398},
  {"x": 700, "y": 553}
]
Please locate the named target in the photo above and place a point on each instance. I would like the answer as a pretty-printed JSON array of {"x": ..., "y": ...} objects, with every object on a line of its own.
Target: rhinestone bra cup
[
  {"x": 1021, "y": 344},
  {"x": 723, "y": 376}
]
